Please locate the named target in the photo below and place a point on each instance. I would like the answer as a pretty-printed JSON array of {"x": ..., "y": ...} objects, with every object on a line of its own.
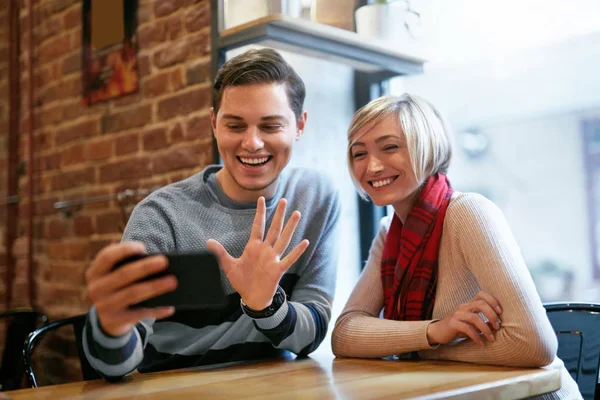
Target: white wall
[{"x": 530, "y": 107}]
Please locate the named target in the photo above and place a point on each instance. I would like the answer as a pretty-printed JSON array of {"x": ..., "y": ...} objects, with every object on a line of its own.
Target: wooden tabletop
[{"x": 320, "y": 378}]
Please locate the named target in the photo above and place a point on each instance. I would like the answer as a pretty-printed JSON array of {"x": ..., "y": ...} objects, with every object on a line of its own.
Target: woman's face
[{"x": 382, "y": 164}]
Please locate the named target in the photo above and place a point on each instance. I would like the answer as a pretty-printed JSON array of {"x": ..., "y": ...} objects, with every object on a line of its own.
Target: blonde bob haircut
[{"x": 427, "y": 133}]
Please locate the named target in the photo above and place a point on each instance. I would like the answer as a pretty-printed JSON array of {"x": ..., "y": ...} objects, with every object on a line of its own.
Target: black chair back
[
  {"x": 577, "y": 327},
  {"x": 20, "y": 322},
  {"x": 77, "y": 323}
]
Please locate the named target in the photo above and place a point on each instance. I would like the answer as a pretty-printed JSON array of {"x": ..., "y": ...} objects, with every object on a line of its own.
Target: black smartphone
[{"x": 198, "y": 282}]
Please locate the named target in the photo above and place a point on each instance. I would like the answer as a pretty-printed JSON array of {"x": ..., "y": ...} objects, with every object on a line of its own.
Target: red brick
[
  {"x": 109, "y": 222},
  {"x": 197, "y": 17},
  {"x": 156, "y": 85},
  {"x": 123, "y": 120},
  {"x": 82, "y": 225},
  {"x": 50, "y": 295},
  {"x": 68, "y": 250},
  {"x": 97, "y": 245},
  {"x": 72, "y": 18},
  {"x": 176, "y": 134},
  {"x": 124, "y": 170},
  {"x": 198, "y": 127},
  {"x": 182, "y": 157},
  {"x": 171, "y": 54},
  {"x": 71, "y": 63},
  {"x": 76, "y": 131},
  {"x": 50, "y": 161},
  {"x": 127, "y": 144},
  {"x": 43, "y": 141},
  {"x": 166, "y": 7},
  {"x": 129, "y": 99},
  {"x": 144, "y": 65},
  {"x": 60, "y": 5},
  {"x": 48, "y": 28},
  {"x": 176, "y": 80},
  {"x": 99, "y": 150},
  {"x": 173, "y": 27},
  {"x": 144, "y": 13},
  {"x": 198, "y": 72},
  {"x": 54, "y": 48},
  {"x": 51, "y": 115},
  {"x": 75, "y": 41},
  {"x": 184, "y": 103},
  {"x": 151, "y": 34},
  {"x": 199, "y": 45},
  {"x": 72, "y": 179},
  {"x": 73, "y": 155},
  {"x": 155, "y": 139},
  {"x": 58, "y": 228},
  {"x": 69, "y": 272}
]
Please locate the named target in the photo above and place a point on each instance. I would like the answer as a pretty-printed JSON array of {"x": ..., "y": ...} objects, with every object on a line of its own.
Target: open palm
[{"x": 256, "y": 273}]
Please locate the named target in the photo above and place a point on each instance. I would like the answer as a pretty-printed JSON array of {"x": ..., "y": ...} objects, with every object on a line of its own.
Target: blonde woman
[{"x": 445, "y": 269}]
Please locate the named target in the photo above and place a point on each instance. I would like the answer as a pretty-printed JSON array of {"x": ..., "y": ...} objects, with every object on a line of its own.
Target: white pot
[
  {"x": 241, "y": 11},
  {"x": 395, "y": 23}
]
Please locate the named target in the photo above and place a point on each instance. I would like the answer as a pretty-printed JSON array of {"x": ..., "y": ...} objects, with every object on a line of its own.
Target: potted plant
[{"x": 394, "y": 21}]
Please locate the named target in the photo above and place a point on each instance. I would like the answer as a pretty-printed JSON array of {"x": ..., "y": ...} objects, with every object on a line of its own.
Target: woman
[{"x": 446, "y": 270}]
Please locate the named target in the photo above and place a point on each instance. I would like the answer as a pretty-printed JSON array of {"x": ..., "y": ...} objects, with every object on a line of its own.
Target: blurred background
[{"x": 518, "y": 81}]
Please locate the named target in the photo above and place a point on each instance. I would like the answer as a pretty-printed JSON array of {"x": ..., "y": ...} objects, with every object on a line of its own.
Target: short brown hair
[{"x": 260, "y": 66}]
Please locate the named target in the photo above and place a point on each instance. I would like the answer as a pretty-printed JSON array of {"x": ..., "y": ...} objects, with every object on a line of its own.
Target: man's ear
[
  {"x": 213, "y": 120},
  {"x": 301, "y": 124}
]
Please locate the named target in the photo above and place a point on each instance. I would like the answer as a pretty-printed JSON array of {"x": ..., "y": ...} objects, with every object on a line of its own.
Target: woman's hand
[
  {"x": 474, "y": 319},
  {"x": 256, "y": 274}
]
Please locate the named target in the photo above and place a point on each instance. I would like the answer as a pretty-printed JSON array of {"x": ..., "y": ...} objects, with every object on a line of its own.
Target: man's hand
[
  {"x": 111, "y": 292},
  {"x": 256, "y": 274},
  {"x": 467, "y": 321}
]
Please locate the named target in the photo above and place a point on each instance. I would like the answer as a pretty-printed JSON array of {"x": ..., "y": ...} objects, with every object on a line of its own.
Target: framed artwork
[
  {"x": 591, "y": 148},
  {"x": 109, "y": 53}
]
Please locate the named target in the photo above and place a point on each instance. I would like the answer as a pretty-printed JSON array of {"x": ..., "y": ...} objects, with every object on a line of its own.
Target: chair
[
  {"x": 77, "y": 323},
  {"x": 577, "y": 327},
  {"x": 20, "y": 322}
]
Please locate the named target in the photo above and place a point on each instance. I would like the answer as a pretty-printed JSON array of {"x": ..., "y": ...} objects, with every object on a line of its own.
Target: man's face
[{"x": 255, "y": 130}]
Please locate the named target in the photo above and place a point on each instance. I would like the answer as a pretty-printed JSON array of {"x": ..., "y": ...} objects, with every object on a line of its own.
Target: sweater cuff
[
  {"x": 274, "y": 320},
  {"x": 103, "y": 338}
]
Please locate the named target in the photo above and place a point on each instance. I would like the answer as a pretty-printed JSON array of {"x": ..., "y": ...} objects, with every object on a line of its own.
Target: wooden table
[{"x": 319, "y": 378}]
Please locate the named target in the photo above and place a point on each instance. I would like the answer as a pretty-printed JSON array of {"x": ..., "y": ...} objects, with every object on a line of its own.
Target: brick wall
[
  {"x": 4, "y": 110},
  {"x": 154, "y": 137}
]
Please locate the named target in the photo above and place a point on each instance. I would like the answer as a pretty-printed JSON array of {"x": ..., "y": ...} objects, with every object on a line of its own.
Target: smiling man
[{"x": 280, "y": 285}]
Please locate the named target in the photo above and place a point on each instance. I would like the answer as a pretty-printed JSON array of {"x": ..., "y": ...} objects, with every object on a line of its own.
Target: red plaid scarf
[{"x": 409, "y": 264}]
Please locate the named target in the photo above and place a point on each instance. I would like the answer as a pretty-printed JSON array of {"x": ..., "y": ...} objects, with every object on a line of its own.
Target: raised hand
[
  {"x": 256, "y": 274},
  {"x": 112, "y": 292},
  {"x": 468, "y": 321}
]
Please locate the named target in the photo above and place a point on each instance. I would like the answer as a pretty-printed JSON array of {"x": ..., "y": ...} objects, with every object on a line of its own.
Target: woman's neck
[{"x": 403, "y": 207}]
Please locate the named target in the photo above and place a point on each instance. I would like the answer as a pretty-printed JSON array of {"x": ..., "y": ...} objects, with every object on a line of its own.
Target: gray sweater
[{"x": 181, "y": 217}]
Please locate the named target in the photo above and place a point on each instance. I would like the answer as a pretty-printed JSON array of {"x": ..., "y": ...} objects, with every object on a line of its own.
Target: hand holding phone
[{"x": 112, "y": 292}]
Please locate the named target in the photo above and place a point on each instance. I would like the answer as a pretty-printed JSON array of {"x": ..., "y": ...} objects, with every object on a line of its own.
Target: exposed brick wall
[
  {"x": 4, "y": 114},
  {"x": 147, "y": 139}
]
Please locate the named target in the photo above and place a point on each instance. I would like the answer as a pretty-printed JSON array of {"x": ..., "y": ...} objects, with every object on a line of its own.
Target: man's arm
[
  {"x": 301, "y": 324},
  {"x": 111, "y": 355}
]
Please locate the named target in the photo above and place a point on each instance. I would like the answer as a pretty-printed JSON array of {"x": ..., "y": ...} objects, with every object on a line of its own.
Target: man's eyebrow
[
  {"x": 231, "y": 116},
  {"x": 273, "y": 117}
]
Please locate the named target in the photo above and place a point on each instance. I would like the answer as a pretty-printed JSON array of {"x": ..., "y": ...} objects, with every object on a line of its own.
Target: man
[{"x": 280, "y": 285}]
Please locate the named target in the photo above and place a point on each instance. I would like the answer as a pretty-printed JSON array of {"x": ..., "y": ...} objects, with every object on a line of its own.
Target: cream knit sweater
[{"x": 477, "y": 252}]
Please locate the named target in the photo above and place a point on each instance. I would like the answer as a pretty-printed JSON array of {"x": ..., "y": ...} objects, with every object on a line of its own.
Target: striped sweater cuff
[{"x": 274, "y": 320}]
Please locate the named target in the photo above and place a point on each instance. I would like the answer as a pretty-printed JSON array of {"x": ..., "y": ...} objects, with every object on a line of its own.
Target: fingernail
[
  {"x": 498, "y": 310},
  {"x": 139, "y": 246}
]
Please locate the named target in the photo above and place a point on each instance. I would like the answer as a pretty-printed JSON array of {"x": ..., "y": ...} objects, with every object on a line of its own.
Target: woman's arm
[
  {"x": 481, "y": 239},
  {"x": 359, "y": 332}
]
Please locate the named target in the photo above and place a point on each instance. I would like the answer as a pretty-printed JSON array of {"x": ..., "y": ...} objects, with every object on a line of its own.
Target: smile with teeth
[
  {"x": 382, "y": 182},
  {"x": 254, "y": 161}
]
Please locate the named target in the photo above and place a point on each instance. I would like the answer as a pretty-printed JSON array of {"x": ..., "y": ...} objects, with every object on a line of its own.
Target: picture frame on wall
[{"x": 109, "y": 49}]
